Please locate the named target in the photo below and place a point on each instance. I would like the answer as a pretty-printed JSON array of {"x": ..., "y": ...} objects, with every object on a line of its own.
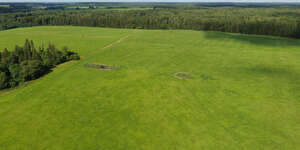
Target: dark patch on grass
[
  {"x": 266, "y": 70},
  {"x": 99, "y": 66},
  {"x": 206, "y": 77},
  {"x": 182, "y": 75},
  {"x": 253, "y": 39},
  {"x": 276, "y": 73}
]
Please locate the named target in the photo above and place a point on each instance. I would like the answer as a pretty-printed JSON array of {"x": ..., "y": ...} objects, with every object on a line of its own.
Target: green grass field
[
  {"x": 243, "y": 93},
  {"x": 4, "y": 5}
]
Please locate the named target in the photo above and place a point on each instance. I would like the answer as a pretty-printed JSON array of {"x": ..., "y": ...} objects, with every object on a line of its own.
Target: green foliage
[
  {"x": 4, "y": 80},
  {"x": 26, "y": 63},
  {"x": 32, "y": 69},
  {"x": 15, "y": 74}
]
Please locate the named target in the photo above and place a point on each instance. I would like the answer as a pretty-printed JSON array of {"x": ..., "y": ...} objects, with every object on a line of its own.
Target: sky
[{"x": 150, "y": 1}]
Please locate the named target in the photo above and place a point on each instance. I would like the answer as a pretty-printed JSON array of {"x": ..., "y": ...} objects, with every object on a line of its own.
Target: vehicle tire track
[{"x": 116, "y": 42}]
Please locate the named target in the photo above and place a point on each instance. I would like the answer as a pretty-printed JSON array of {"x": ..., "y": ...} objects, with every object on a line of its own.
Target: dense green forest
[
  {"x": 247, "y": 19},
  {"x": 27, "y": 63}
]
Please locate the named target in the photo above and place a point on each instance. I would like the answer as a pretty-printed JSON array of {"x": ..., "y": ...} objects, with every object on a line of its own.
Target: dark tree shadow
[
  {"x": 266, "y": 70},
  {"x": 253, "y": 39},
  {"x": 274, "y": 72}
]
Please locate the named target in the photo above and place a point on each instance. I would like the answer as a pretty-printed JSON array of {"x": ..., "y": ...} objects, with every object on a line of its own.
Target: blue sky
[{"x": 149, "y": 0}]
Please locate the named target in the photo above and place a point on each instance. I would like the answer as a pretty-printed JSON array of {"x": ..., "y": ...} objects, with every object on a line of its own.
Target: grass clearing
[
  {"x": 4, "y": 6},
  {"x": 243, "y": 94}
]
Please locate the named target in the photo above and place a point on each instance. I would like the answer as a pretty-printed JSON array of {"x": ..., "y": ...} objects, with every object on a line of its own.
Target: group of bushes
[{"x": 27, "y": 63}]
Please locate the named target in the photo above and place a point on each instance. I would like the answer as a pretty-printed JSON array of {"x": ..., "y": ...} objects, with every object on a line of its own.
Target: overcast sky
[{"x": 149, "y": 0}]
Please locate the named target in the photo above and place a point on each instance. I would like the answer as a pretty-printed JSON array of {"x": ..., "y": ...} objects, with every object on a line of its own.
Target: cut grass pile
[
  {"x": 99, "y": 66},
  {"x": 243, "y": 94}
]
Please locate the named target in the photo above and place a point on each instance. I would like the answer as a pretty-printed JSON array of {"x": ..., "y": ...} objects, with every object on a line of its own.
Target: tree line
[
  {"x": 28, "y": 63},
  {"x": 263, "y": 21}
]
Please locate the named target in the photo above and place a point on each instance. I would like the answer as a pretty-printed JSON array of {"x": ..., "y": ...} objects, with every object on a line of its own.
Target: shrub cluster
[{"x": 27, "y": 63}]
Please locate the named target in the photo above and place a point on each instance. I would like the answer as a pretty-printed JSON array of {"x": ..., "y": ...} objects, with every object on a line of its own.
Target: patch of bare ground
[{"x": 182, "y": 75}]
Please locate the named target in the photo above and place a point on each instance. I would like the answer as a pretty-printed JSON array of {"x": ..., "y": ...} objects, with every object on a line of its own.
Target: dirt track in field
[{"x": 116, "y": 42}]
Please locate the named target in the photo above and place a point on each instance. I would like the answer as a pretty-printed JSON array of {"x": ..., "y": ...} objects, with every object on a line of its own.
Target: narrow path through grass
[{"x": 116, "y": 42}]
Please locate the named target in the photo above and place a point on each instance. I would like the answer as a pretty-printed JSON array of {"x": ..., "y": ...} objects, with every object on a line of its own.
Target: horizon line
[{"x": 148, "y": 2}]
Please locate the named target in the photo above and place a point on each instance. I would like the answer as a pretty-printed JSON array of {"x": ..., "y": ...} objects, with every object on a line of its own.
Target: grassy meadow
[
  {"x": 243, "y": 92},
  {"x": 4, "y": 5}
]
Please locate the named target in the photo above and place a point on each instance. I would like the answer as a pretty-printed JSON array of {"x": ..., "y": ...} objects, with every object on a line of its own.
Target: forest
[
  {"x": 263, "y": 19},
  {"x": 27, "y": 63}
]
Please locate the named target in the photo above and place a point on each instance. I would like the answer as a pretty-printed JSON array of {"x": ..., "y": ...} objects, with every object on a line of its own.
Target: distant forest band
[{"x": 274, "y": 21}]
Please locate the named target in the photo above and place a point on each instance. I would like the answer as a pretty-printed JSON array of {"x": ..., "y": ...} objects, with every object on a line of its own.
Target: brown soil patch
[{"x": 182, "y": 75}]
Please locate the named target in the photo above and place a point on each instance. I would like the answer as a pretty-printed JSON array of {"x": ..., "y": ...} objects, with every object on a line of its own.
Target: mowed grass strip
[{"x": 243, "y": 93}]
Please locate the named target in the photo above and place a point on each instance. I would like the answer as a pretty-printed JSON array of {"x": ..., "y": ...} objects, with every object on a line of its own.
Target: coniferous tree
[{"x": 26, "y": 63}]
